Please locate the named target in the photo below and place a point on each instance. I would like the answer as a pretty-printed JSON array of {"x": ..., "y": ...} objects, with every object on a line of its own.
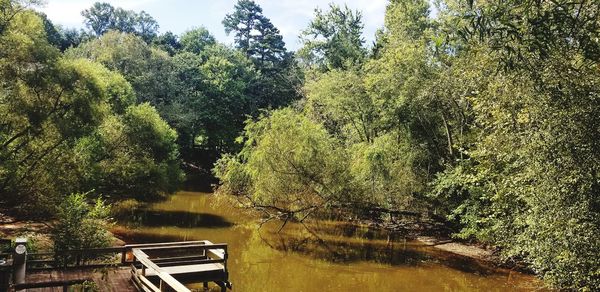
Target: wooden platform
[
  {"x": 113, "y": 280},
  {"x": 152, "y": 267}
]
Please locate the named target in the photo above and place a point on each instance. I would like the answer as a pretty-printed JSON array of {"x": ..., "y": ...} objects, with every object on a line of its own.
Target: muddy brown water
[{"x": 322, "y": 256}]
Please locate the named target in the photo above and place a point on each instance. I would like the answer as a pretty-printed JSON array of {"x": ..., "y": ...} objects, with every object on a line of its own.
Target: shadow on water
[
  {"x": 131, "y": 236},
  {"x": 314, "y": 256},
  {"x": 183, "y": 219},
  {"x": 346, "y": 244}
]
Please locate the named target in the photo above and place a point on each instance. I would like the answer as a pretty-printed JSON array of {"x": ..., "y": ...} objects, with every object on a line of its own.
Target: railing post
[
  {"x": 123, "y": 256},
  {"x": 162, "y": 286},
  {"x": 20, "y": 260},
  {"x": 5, "y": 273}
]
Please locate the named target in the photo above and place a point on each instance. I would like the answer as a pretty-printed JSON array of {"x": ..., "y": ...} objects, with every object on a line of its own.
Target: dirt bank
[{"x": 467, "y": 250}]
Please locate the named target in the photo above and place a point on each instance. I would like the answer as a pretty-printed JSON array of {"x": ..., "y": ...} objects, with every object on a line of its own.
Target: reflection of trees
[
  {"x": 176, "y": 218},
  {"x": 344, "y": 243}
]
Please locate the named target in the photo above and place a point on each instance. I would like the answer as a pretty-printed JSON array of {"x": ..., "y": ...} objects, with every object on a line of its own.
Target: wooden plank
[
  {"x": 118, "y": 280},
  {"x": 147, "y": 284},
  {"x": 183, "y": 258},
  {"x": 218, "y": 253},
  {"x": 190, "y": 262},
  {"x": 188, "y": 246},
  {"x": 189, "y": 269},
  {"x": 142, "y": 245},
  {"x": 153, "y": 268},
  {"x": 49, "y": 284}
]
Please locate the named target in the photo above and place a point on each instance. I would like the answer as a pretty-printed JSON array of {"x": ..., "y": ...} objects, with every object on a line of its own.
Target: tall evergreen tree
[{"x": 255, "y": 35}]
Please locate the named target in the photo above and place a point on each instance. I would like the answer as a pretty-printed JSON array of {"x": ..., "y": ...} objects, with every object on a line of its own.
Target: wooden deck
[
  {"x": 112, "y": 280},
  {"x": 141, "y": 267}
]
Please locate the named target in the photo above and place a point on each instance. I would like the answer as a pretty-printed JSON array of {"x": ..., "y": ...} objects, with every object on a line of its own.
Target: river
[{"x": 328, "y": 256}]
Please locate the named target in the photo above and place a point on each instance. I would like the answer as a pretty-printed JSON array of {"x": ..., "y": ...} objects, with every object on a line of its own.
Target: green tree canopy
[
  {"x": 102, "y": 17},
  {"x": 196, "y": 40},
  {"x": 333, "y": 39},
  {"x": 53, "y": 109},
  {"x": 255, "y": 35}
]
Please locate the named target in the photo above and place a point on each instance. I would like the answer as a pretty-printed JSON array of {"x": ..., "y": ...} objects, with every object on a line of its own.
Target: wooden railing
[
  {"x": 201, "y": 253},
  {"x": 146, "y": 260},
  {"x": 64, "y": 284},
  {"x": 92, "y": 257},
  {"x": 78, "y": 258}
]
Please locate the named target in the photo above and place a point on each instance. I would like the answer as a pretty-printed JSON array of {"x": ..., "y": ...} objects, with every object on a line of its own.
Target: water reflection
[
  {"x": 321, "y": 256},
  {"x": 184, "y": 219},
  {"x": 336, "y": 244}
]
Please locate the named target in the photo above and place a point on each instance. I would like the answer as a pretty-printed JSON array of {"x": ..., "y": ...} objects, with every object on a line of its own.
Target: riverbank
[
  {"x": 37, "y": 232},
  {"x": 473, "y": 251}
]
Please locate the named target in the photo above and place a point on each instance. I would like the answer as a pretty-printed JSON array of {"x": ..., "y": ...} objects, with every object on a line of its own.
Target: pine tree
[{"x": 255, "y": 35}]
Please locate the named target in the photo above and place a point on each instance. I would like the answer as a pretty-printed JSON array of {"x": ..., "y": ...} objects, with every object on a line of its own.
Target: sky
[{"x": 289, "y": 16}]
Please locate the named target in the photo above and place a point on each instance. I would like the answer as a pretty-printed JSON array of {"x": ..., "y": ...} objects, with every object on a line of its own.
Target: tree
[
  {"x": 528, "y": 30},
  {"x": 196, "y": 40},
  {"x": 289, "y": 165},
  {"x": 255, "y": 35},
  {"x": 149, "y": 70},
  {"x": 340, "y": 101},
  {"x": 132, "y": 155},
  {"x": 45, "y": 109},
  {"x": 102, "y": 17},
  {"x": 227, "y": 103},
  {"x": 333, "y": 39},
  {"x": 54, "y": 110},
  {"x": 529, "y": 183},
  {"x": 145, "y": 26},
  {"x": 168, "y": 42},
  {"x": 99, "y": 18},
  {"x": 279, "y": 80}
]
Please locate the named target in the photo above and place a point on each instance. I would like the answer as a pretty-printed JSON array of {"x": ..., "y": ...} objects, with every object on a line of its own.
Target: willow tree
[{"x": 52, "y": 109}]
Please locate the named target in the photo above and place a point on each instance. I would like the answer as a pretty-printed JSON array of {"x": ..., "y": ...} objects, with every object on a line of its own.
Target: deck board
[
  {"x": 189, "y": 269},
  {"x": 115, "y": 280}
]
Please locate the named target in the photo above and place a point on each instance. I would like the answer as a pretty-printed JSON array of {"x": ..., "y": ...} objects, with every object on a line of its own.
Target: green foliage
[
  {"x": 487, "y": 114},
  {"x": 146, "y": 68},
  {"x": 524, "y": 31},
  {"x": 261, "y": 41},
  {"x": 333, "y": 39},
  {"x": 288, "y": 162},
  {"x": 490, "y": 109},
  {"x": 386, "y": 172},
  {"x": 340, "y": 101},
  {"x": 255, "y": 35},
  {"x": 81, "y": 225},
  {"x": 103, "y": 17},
  {"x": 530, "y": 182},
  {"x": 131, "y": 156},
  {"x": 196, "y": 40},
  {"x": 168, "y": 42},
  {"x": 205, "y": 91},
  {"x": 62, "y": 122}
]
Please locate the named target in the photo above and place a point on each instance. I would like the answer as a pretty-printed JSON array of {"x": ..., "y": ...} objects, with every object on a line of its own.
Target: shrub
[{"x": 80, "y": 224}]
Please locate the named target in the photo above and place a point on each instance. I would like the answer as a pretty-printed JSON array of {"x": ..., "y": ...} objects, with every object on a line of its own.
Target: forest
[{"x": 484, "y": 115}]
